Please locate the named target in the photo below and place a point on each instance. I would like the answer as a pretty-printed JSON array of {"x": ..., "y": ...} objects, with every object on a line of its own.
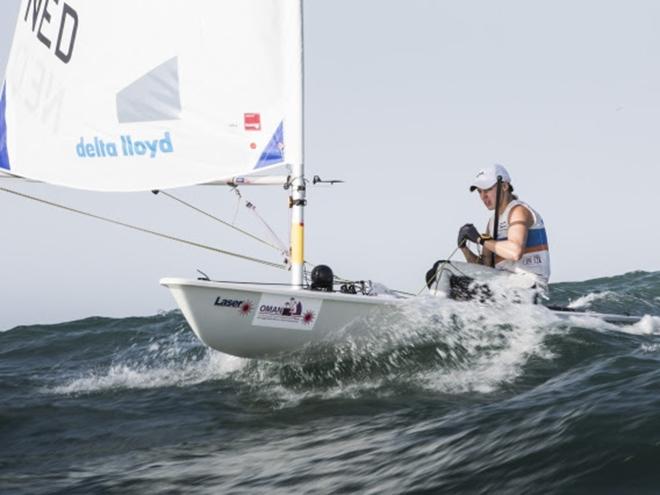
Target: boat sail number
[{"x": 55, "y": 24}]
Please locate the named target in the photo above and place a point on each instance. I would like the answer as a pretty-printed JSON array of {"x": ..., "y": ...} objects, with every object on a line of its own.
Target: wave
[
  {"x": 634, "y": 293},
  {"x": 145, "y": 374},
  {"x": 451, "y": 348},
  {"x": 169, "y": 360},
  {"x": 448, "y": 348},
  {"x": 647, "y": 325},
  {"x": 584, "y": 302},
  {"x": 428, "y": 394}
]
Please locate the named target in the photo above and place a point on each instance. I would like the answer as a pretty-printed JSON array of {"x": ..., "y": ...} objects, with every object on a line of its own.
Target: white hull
[
  {"x": 247, "y": 321},
  {"x": 228, "y": 317}
]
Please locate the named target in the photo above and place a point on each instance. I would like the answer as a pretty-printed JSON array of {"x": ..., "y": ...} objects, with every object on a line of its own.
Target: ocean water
[{"x": 462, "y": 398}]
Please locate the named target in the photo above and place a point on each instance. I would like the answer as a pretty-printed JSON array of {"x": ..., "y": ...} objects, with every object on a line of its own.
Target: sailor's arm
[
  {"x": 513, "y": 247},
  {"x": 470, "y": 257},
  {"x": 487, "y": 254}
]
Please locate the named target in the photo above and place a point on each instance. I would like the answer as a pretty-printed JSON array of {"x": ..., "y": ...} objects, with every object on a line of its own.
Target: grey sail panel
[{"x": 153, "y": 97}]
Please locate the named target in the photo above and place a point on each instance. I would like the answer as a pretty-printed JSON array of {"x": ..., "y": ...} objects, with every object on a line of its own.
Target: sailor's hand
[{"x": 468, "y": 232}]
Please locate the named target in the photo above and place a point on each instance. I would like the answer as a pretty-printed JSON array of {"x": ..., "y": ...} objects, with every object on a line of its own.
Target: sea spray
[{"x": 173, "y": 360}]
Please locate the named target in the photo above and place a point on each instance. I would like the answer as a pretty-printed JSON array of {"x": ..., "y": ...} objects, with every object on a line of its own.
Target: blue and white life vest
[{"x": 536, "y": 255}]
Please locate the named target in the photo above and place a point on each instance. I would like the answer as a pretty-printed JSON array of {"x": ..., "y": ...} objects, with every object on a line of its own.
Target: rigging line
[
  {"x": 251, "y": 206},
  {"x": 140, "y": 229},
  {"x": 284, "y": 251},
  {"x": 238, "y": 229},
  {"x": 238, "y": 206}
]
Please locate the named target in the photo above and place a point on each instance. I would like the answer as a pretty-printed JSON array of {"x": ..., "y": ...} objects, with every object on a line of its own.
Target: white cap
[{"x": 487, "y": 177}]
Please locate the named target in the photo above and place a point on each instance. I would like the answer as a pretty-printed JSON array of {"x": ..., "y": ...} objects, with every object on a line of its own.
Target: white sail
[{"x": 127, "y": 95}]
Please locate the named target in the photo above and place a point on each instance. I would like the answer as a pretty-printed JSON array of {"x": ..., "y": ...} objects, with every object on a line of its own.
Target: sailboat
[{"x": 150, "y": 95}]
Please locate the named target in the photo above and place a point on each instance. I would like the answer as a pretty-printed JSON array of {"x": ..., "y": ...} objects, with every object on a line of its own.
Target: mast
[{"x": 296, "y": 152}]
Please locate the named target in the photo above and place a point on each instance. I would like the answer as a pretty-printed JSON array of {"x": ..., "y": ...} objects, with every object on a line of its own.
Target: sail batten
[{"x": 177, "y": 93}]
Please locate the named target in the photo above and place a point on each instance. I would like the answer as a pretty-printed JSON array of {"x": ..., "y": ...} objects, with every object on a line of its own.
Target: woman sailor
[{"x": 521, "y": 242}]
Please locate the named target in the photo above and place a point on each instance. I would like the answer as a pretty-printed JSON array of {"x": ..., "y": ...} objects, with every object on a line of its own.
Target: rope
[
  {"x": 238, "y": 229},
  {"x": 250, "y": 206},
  {"x": 140, "y": 229},
  {"x": 496, "y": 220}
]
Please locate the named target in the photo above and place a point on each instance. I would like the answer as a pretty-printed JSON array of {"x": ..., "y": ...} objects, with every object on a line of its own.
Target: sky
[{"x": 405, "y": 100}]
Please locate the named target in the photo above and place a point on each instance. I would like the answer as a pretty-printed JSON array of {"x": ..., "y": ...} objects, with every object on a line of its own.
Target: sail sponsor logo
[
  {"x": 126, "y": 146},
  {"x": 252, "y": 121},
  {"x": 244, "y": 306},
  {"x": 55, "y": 25},
  {"x": 287, "y": 312}
]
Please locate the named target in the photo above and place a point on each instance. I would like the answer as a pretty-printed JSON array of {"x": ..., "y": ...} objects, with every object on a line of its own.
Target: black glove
[{"x": 468, "y": 232}]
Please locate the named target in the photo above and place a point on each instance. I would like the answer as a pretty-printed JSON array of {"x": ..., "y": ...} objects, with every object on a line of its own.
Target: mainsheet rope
[{"x": 146, "y": 231}]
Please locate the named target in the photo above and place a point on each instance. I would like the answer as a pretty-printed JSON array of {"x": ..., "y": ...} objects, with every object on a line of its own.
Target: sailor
[{"x": 521, "y": 244}]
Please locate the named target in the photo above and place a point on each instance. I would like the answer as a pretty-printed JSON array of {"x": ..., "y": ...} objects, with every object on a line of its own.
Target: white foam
[
  {"x": 587, "y": 300},
  {"x": 486, "y": 348},
  {"x": 479, "y": 348},
  {"x": 592, "y": 322},
  {"x": 499, "y": 341},
  {"x": 159, "y": 368},
  {"x": 648, "y": 325},
  {"x": 482, "y": 346}
]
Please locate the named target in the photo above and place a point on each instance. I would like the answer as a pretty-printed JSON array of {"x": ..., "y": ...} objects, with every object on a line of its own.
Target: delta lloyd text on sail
[{"x": 128, "y": 146}]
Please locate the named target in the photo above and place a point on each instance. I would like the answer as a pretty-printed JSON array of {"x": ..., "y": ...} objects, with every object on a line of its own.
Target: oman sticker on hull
[{"x": 287, "y": 312}]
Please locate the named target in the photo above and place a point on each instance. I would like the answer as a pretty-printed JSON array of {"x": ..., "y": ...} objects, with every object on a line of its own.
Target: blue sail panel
[
  {"x": 274, "y": 151},
  {"x": 4, "y": 153}
]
